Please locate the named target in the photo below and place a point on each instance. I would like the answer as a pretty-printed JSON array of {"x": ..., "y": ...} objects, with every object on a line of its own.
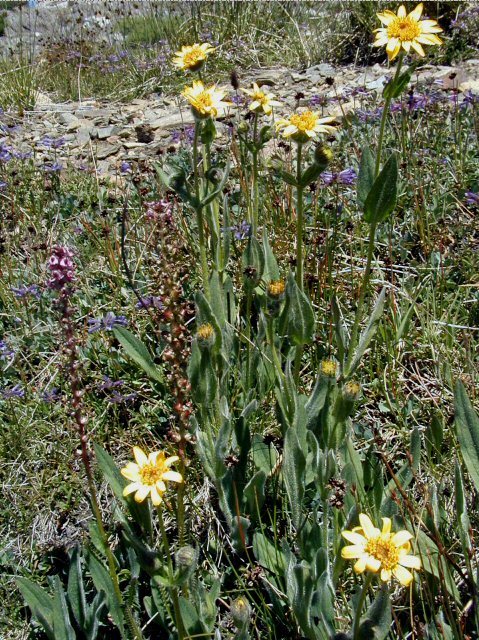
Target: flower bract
[
  {"x": 192, "y": 58},
  {"x": 381, "y": 551},
  {"x": 405, "y": 31},
  {"x": 205, "y": 101},
  {"x": 305, "y": 126},
  {"x": 149, "y": 474},
  {"x": 261, "y": 101}
]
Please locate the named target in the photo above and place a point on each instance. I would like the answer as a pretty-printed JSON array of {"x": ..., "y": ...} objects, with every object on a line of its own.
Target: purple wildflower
[
  {"x": 347, "y": 176},
  {"x": 472, "y": 198},
  {"x": 52, "y": 168},
  {"x": 149, "y": 301},
  {"x": 125, "y": 167},
  {"x": 241, "y": 231},
  {"x": 26, "y": 290},
  {"x": 62, "y": 268},
  {"x": 52, "y": 143},
  {"x": 12, "y": 392},
  {"x": 6, "y": 352},
  {"x": 108, "y": 384},
  {"x": 50, "y": 396},
  {"x": 107, "y": 323},
  {"x": 118, "y": 398},
  {"x": 155, "y": 208}
]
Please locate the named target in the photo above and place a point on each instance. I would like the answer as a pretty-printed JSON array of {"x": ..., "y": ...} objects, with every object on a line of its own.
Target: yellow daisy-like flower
[
  {"x": 261, "y": 101},
  {"x": 192, "y": 58},
  {"x": 148, "y": 475},
  {"x": 205, "y": 101},
  {"x": 381, "y": 551},
  {"x": 305, "y": 126},
  {"x": 403, "y": 31}
]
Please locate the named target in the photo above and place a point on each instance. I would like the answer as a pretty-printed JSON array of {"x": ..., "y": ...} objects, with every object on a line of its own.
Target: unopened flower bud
[
  {"x": 323, "y": 156},
  {"x": 276, "y": 289},
  {"x": 205, "y": 336},
  {"x": 240, "y": 612},
  {"x": 329, "y": 368}
]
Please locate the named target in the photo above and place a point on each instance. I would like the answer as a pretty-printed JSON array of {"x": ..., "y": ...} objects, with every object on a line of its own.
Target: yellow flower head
[
  {"x": 148, "y": 475},
  {"x": 329, "y": 368},
  {"x": 276, "y": 288},
  {"x": 192, "y": 58},
  {"x": 381, "y": 551},
  {"x": 261, "y": 101},
  {"x": 403, "y": 31},
  {"x": 305, "y": 126},
  {"x": 205, "y": 101}
]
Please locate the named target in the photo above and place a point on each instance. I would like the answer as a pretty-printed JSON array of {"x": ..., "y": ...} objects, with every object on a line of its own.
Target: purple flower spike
[
  {"x": 13, "y": 392},
  {"x": 61, "y": 267},
  {"x": 472, "y": 198},
  {"x": 107, "y": 323}
]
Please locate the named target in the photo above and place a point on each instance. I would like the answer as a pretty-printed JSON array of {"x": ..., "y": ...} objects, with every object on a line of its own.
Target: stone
[
  {"x": 67, "y": 118},
  {"x": 144, "y": 133},
  {"x": 108, "y": 150},
  {"x": 271, "y": 77}
]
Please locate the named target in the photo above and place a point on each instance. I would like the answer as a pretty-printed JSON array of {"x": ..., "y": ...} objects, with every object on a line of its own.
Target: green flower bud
[{"x": 240, "y": 612}]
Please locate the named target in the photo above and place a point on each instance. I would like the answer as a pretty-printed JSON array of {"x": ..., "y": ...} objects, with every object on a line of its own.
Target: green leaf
[
  {"x": 103, "y": 582},
  {"x": 219, "y": 189},
  {"x": 311, "y": 174},
  {"x": 138, "y": 352},
  {"x": 294, "y": 465},
  {"x": 289, "y": 178},
  {"x": 368, "y": 333},
  {"x": 269, "y": 555},
  {"x": 393, "y": 89},
  {"x": 297, "y": 318},
  {"x": 61, "y": 617},
  {"x": 435, "y": 563},
  {"x": 467, "y": 429},
  {"x": 461, "y": 511},
  {"x": 190, "y": 617},
  {"x": 40, "y": 603},
  {"x": 381, "y": 199},
  {"x": 365, "y": 176},
  {"x": 378, "y": 617},
  {"x": 75, "y": 589},
  {"x": 271, "y": 270}
]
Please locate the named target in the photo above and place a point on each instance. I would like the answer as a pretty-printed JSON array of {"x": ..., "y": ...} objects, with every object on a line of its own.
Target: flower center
[
  {"x": 406, "y": 29},
  {"x": 383, "y": 550},
  {"x": 304, "y": 121},
  {"x": 276, "y": 288},
  {"x": 150, "y": 473},
  {"x": 203, "y": 100},
  {"x": 205, "y": 331},
  {"x": 260, "y": 97},
  {"x": 193, "y": 57}
]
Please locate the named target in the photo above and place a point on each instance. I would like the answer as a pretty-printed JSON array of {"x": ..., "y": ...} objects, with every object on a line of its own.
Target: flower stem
[
  {"x": 359, "y": 609},
  {"x": 255, "y": 179},
  {"x": 174, "y": 592},
  {"x": 299, "y": 221},
  {"x": 199, "y": 213},
  {"x": 384, "y": 117}
]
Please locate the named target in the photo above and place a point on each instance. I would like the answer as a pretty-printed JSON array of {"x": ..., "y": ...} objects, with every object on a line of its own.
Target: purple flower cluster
[
  {"x": 125, "y": 167},
  {"x": 369, "y": 116},
  {"x": 52, "y": 143},
  {"x": 13, "y": 392},
  {"x": 148, "y": 302},
  {"x": 241, "y": 231},
  {"x": 115, "y": 397},
  {"x": 5, "y": 152},
  {"x": 186, "y": 134},
  {"x": 23, "y": 291},
  {"x": 347, "y": 176},
  {"x": 54, "y": 167},
  {"x": 107, "y": 323},
  {"x": 62, "y": 268},
  {"x": 160, "y": 207},
  {"x": 49, "y": 396},
  {"x": 6, "y": 352},
  {"x": 472, "y": 198}
]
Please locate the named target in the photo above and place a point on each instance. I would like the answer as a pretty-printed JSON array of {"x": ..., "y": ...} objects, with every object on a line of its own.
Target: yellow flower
[
  {"x": 329, "y": 368},
  {"x": 205, "y": 331},
  {"x": 382, "y": 551},
  {"x": 305, "y": 126},
  {"x": 406, "y": 31},
  {"x": 193, "y": 57},
  {"x": 205, "y": 101},
  {"x": 276, "y": 288},
  {"x": 148, "y": 475},
  {"x": 261, "y": 101}
]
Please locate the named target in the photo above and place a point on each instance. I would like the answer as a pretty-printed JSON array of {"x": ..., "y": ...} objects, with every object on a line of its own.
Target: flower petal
[
  {"x": 156, "y": 496},
  {"x": 131, "y": 471},
  {"x": 401, "y": 537},
  {"x": 130, "y": 488},
  {"x": 352, "y": 551},
  {"x": 402, "y": 12},
  {"x": 161, "y": 486},
  {"x": 386, "y": 17},
  {"x": 172, "y": 476},
  {"x": 385, "y": 575},
  {"x": 386, "y": 525},
  {"x": 142, "y": 492},
  {"x": 412, "y": 562},
  {"x": 429, "y": 38},
  {"x": 416, "y": 13},
  {"x": 172, "y": 459},
  {"x": 360, "y": 565},
  {"x": 403, "y": 575},
  {"x": 140, "y": 456},
  {"x": 417, "y": 47},
  {"x": 373, "y": 564},
  {"x": 354, "y": 538},
  {"x": 369, "y": 529}
]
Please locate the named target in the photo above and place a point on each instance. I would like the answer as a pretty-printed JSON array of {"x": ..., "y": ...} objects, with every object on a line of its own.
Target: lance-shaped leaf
[
  {"x": 294, "y": 464},
  {"x": 138, "y": 352},
  {"x": 297, "y": 319},
  {"x": 394, "y": 88},
  {"x": 103, "y": 582},
  {"x": 368, "y": 333},
  {"x": 40, "y": 603},
  {"x": 61, "y": 616},
  {"x": 381, "y": 199},
  {"x": 271, "y": 270},
  {"x": 365, "y": 176},
  {"x": 377, "y": 621},
  {"x": 467, "y": 429}
]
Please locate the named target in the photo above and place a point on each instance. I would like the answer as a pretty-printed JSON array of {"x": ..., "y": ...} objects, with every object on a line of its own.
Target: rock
[
  {"x": 470, "y": 85},
  {"x": 67, "y": 118},
  {"x": 105, "y": 132},
  {"x": 106, "y": 151},
  {"x": 271, "y": 78},
  {"x": 377, "y": 85},
  {"x": 173, "y": 121},
  {"x": 325, "y": 69},
  {"x": 144, "y": 133}
]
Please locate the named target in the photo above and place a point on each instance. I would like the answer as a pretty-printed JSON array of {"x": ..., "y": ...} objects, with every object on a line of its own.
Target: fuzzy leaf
[
  {"x": 297, "y": 319},
  {"x": 102, "y": 581},
  {"x": 40, "y": 603},
  {"x": 381, "y": 199},
  {"x": 378, "y": 618},
  {"x": 365, "y": 176},
  {"x": 368, "y": 333},
  {"x": 294, "y": 465},
  {"x": 61, "y": 617},
  {"x": 467, "y": 429},
  {"x": 138, "y": 352}
]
